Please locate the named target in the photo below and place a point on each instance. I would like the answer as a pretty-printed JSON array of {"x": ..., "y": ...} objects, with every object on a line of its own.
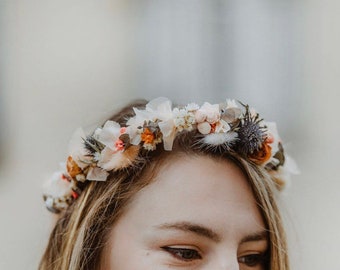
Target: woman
[{"x": 170, "y": 188}]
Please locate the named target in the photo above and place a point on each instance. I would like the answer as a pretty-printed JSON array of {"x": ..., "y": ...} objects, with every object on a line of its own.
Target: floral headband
[{"x": 112, "y": 147}]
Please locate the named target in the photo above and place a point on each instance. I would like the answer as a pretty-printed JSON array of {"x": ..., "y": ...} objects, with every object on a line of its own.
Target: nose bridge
[
  {"x": 226, "y": 260},
  {"x": 230, "y": 265}
]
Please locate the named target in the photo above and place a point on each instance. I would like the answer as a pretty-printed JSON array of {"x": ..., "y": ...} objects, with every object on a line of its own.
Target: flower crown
[{"x": 230, "y": 127}]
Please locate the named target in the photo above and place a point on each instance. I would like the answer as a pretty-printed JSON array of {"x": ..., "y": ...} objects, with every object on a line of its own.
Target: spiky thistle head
[{"x": 251, "y": 135}]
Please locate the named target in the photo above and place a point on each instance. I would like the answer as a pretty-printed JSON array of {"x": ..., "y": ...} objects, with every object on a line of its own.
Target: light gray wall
[{"x": 66, "y": 64}]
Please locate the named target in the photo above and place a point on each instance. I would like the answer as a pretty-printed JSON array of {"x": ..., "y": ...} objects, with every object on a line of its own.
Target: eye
[
  {"x": 252, "y": 260},
  {"x": 184, "y": 254}
]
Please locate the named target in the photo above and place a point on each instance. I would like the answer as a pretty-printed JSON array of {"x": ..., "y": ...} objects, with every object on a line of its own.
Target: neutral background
[{"x": 65, "y": 64}]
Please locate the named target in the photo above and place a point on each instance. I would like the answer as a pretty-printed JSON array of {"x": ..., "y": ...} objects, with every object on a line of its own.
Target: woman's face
[{"x": 199, "y": 213}]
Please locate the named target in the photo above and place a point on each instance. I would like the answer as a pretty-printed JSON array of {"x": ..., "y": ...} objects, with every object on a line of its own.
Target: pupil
[
  {"x": 188, "y": 254},
  {"x": 252, "y": 260}
]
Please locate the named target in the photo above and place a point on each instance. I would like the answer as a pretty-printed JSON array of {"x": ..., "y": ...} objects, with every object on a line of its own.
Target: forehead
[{"x": 198, "y": 189}]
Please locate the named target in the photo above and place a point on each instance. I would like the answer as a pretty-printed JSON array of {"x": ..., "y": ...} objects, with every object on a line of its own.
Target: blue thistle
[{"x": 251, "y": 134}]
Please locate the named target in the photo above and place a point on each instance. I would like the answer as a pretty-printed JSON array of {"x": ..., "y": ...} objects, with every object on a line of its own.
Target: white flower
[
  {"x": 109, "y": 134},
  {"x": 159, "y": 111},
  {"x": 222, "y": 127},
  {"x": 57, "y": 186},
  {"x": 208, "y": 112},
  {"x": 190, "y": 121},
  {"x": 192, "y": 107},
  {"x": 231, "y": 103},
  {"x": 140, "y": 117},
  {"x": 180, "y": 120},
  {"x": 110, "y": 157},
  {"x": 162, "y": 111},
  {"x": 160, "y": 108}
]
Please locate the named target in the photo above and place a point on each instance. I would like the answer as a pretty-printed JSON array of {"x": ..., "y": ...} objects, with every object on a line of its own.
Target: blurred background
[{"x": 65, "y": 64}]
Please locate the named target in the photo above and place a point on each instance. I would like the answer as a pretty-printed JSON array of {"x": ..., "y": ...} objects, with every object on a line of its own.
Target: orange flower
[
  {"x": 262, "y": 155},
  {"x": 213, "y": 128},
  {"x": 72, "y": 167},
  {"x": 147, "y": 136}
]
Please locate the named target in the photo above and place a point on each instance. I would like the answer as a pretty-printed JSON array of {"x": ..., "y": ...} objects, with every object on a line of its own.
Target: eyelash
[
  {"x": 184, "y": 254},
  {"x": 187, "y": 254},
  {"x": 252, "y": 260}
]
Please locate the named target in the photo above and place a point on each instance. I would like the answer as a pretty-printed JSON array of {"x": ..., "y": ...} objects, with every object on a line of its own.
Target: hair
[{"x": 82, "y": 230}]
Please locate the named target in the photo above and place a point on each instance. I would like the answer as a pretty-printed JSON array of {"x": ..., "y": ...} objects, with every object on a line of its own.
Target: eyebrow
[
  {"x": 193, "y": 228},
  {"x": 257, "y": 236},
  {"x": 209, "y": 233}
]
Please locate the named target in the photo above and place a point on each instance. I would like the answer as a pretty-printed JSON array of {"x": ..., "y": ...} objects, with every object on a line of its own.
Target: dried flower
[
  {"x": 183, "y": 119},
  {"x": 72, "y": 168},
  {"x": 262, "y": 155},
  {"x": 250, "y": 133},
  {"x": 204, "y": 128},
  {"x": 147, "y": 136},
  {"x": 208, "y": 112}
]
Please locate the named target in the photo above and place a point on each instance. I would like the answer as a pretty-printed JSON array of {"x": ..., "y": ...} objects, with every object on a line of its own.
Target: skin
[{"x": 199, "y": 213}]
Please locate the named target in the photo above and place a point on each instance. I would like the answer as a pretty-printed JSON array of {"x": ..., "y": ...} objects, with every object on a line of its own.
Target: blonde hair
[{"x": 81, "y": 232}]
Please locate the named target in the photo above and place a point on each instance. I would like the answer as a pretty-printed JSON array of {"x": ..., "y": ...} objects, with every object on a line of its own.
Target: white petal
[
  {"x": 159, "y": 104},
  {"x": 49, "y": 203},
  {"x": 207, "y": 107},
  {"x": 222, "y": 126},
  {"x": 76, "y": 147},
  {"x": 204, "y": 128},
  {"x": 231, "y": 103},
  {"x": 167, "y": 127},
  {"x": 140, "y": 117},
  {"x": 109, "y": 134},
  {"x": 169, "y": 132},
  {"x": 161, "y": 108},
  {"x": 169, "y": 141},
  {"x": 105, "y": 157},
  {"x": 113, "y": 160},
  {"x": 111, "y": 125},
  {"x": 231, "y": 114},
  {"x": 134, "y": 135},
  {"x": 57, "y": 187},
  {"x": 192, "y": 107},
  {"x": 97, "y": 174}
]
